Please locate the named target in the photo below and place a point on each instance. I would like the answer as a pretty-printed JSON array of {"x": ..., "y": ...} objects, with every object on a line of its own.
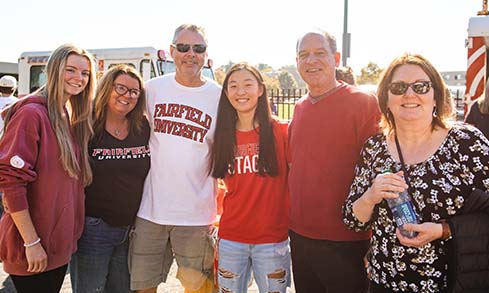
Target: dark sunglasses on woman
[{"x": 419, "y": 87}]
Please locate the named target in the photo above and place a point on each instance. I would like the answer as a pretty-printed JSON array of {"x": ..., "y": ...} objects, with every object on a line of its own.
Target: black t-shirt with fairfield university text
[{"x": 119, "y": 170}]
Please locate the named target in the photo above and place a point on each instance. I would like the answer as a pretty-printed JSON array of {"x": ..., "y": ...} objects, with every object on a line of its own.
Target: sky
[{"x": 255, "y": 31}]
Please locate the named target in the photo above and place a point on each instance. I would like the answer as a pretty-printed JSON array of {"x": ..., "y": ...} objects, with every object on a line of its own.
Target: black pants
[
  {"x": 328, "y": 266},
  {"x": 46, "y": 282}
]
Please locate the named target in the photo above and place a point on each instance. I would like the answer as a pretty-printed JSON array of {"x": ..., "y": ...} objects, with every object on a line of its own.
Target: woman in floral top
[{"x": 443, "y": 161}]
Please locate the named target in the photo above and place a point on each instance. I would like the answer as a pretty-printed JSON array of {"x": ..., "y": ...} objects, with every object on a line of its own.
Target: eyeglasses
[
  {"x": 122, "y": 90},
  {"x": 419, "y": 87},
  {"x": 184, "y": 48}
]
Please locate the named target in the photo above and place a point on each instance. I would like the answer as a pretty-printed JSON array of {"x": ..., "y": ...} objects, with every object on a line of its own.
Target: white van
[{"x": 149, "y": 61}]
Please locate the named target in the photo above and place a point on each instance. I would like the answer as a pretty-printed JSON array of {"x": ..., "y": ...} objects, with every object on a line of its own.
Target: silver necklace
[{"x": 117, "y": 132}]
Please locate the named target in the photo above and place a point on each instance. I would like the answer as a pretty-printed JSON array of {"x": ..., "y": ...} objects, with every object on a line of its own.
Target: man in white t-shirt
[{"x": 178, "y": 207}]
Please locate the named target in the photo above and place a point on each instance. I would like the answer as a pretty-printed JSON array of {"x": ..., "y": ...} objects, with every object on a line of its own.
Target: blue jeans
[
  {"x": 100, "y": 264},
  {"x": 270, "y": 264}
]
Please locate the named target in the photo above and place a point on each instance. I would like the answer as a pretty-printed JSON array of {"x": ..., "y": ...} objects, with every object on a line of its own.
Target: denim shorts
[
  {"x": 152, "y": 249},
  {"x": 270, "y": 264}
]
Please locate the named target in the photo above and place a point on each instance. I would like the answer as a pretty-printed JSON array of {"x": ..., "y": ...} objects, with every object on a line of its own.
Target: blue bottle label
[{"x": 404, "y": 213}]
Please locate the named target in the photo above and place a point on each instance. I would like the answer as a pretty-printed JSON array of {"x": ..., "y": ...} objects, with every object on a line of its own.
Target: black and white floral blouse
[{"x": 438, "y": 187}]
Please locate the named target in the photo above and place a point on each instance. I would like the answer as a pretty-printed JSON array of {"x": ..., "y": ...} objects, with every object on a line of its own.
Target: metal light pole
[
  {"x": 484, "y": 10},
  {"x": 346, "y": 36}
]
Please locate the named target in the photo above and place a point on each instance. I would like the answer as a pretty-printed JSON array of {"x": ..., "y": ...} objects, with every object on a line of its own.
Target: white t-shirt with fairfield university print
[{"x": 178, "y": 189}]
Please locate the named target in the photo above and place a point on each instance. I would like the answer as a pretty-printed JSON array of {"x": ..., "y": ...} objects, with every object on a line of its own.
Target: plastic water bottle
[{"x": 403, "y": 211}]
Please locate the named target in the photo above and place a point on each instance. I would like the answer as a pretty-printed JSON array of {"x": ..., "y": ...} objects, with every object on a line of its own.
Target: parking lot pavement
[{"x": 171, "y": 286}]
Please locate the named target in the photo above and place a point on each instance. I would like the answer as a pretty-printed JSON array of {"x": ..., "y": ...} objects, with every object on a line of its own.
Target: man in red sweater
[{"x": 330, "y": 124}]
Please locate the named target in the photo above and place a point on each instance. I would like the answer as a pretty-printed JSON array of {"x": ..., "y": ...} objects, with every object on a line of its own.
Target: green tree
[
  {"x": 292, "y": 69},
  {"x": 219, "y": 74},
  {"x": 270, "y": 83},
  {"x": 369, "y": 74},
  {"x": 264, "y": 67},
  {"x": 228, "y": 66},
  {"x": 286, "y": 80}
]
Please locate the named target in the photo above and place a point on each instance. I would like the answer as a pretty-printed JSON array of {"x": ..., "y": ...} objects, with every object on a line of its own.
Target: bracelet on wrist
[
  {"x": 446, "y": 233},
  {"x": 32, "y": 243}
]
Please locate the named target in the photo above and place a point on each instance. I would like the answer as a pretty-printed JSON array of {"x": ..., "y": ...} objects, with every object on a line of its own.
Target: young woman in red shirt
[{"x": 249, "y": 153}]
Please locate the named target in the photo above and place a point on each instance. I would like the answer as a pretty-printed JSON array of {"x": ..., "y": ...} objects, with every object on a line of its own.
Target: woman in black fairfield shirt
[{"x": 120, "y": 161}]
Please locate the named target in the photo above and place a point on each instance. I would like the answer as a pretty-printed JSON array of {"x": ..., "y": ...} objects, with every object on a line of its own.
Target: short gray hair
[
  {"x": 329, "y": 37},
  {"x": 191, "y": 27}
]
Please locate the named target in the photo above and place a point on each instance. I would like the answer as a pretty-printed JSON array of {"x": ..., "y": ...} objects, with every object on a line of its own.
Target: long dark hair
[{"x": 222, "y": 156}]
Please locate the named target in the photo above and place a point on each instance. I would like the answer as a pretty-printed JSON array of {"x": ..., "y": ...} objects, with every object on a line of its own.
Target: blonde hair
[
  {"x": 104, "y": 92},
  {"x": 79, "y": 118},
  {"x": 483, "y": 100}
]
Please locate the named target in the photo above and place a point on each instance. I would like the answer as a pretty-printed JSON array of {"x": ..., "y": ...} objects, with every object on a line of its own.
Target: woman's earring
[{"x": 435, "y": 113}]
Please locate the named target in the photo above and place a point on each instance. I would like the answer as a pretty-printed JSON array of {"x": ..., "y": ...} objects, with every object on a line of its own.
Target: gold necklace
[{"x": 116, "y": 131}]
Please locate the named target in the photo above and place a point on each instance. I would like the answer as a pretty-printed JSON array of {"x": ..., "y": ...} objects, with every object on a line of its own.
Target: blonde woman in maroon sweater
[{"x": 43, "y": 169}]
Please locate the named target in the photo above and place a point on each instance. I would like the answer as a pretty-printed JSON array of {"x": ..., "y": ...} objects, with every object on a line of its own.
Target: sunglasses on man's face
[
  {"x": 419, "y": 87},
  {"x": 184, "y": 48}
]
